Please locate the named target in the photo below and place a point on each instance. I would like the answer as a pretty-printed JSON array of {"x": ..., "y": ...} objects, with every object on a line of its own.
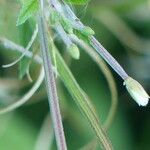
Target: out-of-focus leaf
[
  {"x": 16, "y": 133},
  {"x": 23, "y": 67},
  {"x": 25, "y": 33},
  {"x": 7, "y": 20},
  {"x": 29, "y": 8}
]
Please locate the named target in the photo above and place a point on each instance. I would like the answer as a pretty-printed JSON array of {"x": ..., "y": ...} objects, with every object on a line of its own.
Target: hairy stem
[
  {"x": 108, "y": 58},
  {"x": 50, "y": 84}
]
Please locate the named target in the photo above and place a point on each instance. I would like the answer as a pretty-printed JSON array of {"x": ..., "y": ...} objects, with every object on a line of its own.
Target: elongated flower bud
[{"x": 136, "y": 91}]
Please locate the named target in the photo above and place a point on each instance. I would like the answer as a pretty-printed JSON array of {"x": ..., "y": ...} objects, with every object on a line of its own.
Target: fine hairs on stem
[{"x": 50, "y": 82}]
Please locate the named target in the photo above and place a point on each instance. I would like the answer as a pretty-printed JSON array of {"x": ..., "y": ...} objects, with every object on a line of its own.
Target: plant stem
[
  {"x": 96, "y": 45},
  {"x": 108, "y": 58},
  {"x": 50, "y": 84},
  {"x": 15, "y": 47}
]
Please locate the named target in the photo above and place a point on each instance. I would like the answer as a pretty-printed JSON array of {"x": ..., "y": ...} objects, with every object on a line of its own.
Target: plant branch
[
  {"x": 16, "y": 47},
  {"x": 34, "y": 35},
  {"x": 108, "y": 58},
  {"x": 50, "y": 83},
  {"x": 96, "y": 45}
]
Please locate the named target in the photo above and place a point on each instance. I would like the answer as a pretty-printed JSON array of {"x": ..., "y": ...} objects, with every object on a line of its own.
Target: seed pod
[{"x": 136, "y": 91}]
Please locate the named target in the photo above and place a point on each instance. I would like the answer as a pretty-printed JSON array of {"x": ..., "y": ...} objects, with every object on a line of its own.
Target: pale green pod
[
  {"x": 74, "y": 51},
  {"x": 136, "y": 91}
]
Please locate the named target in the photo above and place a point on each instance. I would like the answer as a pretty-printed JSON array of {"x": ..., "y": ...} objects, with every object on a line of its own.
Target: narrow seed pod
[
  {"x": 74, "y": 51},
  {"x": 136, "y": 91}
]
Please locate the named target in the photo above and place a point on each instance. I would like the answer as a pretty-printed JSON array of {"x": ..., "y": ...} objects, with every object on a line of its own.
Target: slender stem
[
  {"x": 50, "y": 83},
  {"x": 15, "y": 47},
  {"x": 108, "y": 58},
  {"x": 27, "y": 49},
  {"x": 97, "y": 46}
]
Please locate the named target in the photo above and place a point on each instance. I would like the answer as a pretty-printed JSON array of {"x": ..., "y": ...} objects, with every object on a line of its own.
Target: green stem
[{"x": 50, "y": 84}]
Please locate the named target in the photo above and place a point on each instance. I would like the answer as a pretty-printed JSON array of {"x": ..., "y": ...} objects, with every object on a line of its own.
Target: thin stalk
[
  {"x": 97, "y": 46},
  {"x": 27, "y": 49},
  {"x": 15, "y": 47},
  {"x": 50, "y": 84},
  {"x": 108, "y": 58}
]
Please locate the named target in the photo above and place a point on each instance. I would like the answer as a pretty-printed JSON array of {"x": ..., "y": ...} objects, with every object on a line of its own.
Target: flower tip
[{"x": 136, "y": 91}]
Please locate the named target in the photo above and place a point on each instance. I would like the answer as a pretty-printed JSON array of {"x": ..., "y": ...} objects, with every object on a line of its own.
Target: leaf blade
[{"x": 28, "y": 9}]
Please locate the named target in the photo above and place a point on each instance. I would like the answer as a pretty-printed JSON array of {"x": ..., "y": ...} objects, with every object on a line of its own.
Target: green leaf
[
  {"x": 29, "y": 8},
  {"x": 81, "y": 100},
  {"x": 77, "y": 2}
]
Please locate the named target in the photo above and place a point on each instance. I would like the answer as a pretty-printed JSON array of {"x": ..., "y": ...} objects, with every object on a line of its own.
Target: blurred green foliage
[{"x": 127, "y": 38}]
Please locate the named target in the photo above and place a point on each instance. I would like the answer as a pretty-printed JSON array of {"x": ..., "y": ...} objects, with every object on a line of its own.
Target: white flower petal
[{"x": 136, "y": 91}]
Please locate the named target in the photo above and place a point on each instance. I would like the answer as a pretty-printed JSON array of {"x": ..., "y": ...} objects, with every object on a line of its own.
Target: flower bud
[
  {"x": 136, "y": 91},
  {"x": 87, "y": 31},
  {"x": 74, "y": 51}
]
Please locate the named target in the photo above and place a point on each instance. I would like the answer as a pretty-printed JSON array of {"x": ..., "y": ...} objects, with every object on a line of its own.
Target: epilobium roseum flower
[{"x": 136, "y": 91}]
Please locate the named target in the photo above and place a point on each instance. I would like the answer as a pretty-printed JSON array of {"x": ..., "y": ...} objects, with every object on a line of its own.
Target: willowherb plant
[{"x": 57, "y": 16}]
